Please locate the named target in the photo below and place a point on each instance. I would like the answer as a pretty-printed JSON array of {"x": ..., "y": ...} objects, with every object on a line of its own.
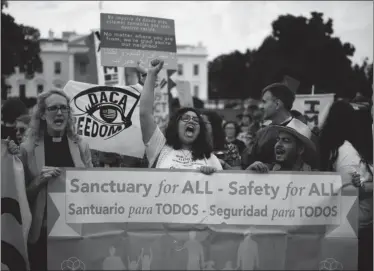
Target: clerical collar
[{"x": 56, "y": 139}]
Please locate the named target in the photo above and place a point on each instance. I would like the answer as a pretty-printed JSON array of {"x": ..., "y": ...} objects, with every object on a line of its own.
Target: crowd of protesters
[{"x": 201, "y": 141}]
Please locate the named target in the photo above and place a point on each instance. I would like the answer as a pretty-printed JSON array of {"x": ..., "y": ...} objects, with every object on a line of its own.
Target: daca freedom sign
[
  {"x": 107, "y": 117},
  {"x": 159, "y": 219}
]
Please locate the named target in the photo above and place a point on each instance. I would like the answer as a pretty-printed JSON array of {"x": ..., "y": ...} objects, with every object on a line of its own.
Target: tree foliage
[
  {"x": 303, "y": 48},
  {"x": 20, "y": 48}
]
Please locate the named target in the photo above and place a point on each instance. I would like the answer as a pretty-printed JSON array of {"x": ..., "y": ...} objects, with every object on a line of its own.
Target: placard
[
  {"x": 127, "y": 39},
  {"x": 184, "y": 93},
  {"x": 107, "y": 117},
  {"x": 314, "y": 108}
]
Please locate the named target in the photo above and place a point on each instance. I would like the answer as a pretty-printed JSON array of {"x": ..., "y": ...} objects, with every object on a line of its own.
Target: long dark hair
[
  {"x": 200, "y": 147},
  {"x": 219, "y": 138},
  {"x": 341, "y": 125},
  {"x": 363, "y": 136}
]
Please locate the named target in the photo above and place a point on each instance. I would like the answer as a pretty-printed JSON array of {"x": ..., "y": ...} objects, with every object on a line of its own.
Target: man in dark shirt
[{"x": 277, "y": 101}]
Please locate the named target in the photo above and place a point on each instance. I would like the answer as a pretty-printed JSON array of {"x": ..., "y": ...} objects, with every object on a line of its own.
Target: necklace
[{"x": 184, "y": 154}]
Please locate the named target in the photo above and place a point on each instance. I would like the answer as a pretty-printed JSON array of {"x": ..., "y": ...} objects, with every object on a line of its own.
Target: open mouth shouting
[
  {"x": 279, "y": 152},
  {"x": 59, "y": 122},
  {"x": 190, "y": 130}
]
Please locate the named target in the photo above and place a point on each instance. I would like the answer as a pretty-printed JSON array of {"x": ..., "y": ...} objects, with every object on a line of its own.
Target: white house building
[
  {"x": 67, "y": 59},
  {"x": 193, "y": 67},
  {"x": 57, "y": 55}
]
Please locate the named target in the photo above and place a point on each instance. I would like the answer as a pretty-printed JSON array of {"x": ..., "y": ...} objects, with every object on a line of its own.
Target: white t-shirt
[
  {"x": 348, "y": 160},
  {"x": 347, "y": 156},
  {"x": 174, "y": 159}
]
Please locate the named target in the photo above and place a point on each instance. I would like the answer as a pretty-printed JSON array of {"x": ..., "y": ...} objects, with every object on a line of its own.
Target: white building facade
[
  {"x": 193, "y": 67},
  {"x": 65, "y": 59}
]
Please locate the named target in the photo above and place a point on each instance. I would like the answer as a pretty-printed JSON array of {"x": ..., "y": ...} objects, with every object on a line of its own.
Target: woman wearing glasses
[
  {"x": 22, "y": 123},
  {"x": 185, "y": 143},
  {"x": 51, "y": 142}
]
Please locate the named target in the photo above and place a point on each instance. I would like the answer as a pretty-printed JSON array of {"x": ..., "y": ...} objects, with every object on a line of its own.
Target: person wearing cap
[
  {"x": 277, "y": 102},
  {"x": 294, "y": 149}
]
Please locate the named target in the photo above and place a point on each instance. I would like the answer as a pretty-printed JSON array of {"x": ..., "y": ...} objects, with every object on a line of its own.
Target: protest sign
[
  {"x": 314, "y": 107},
  {"x": 107, "y": 117},
  {"x": 185, "y": 220},
  {"x": 184, "y": 93},
  {"x": 127, "y": 39},
  {"x": 161, "y": 108}
]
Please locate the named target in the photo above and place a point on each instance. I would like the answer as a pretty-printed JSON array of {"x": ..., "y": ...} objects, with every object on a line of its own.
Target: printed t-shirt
[{"x": 174, "y": 159}]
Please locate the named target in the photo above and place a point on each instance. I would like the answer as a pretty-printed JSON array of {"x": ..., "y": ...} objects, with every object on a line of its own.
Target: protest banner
[
  {"x": 314, "y": 107},
  {"x": 15, "y": 213},
  {"x": 127, "y": 39},
  {"x": 184, "y": 220},
  {"x": 107, "y": 117},
  {"x": 184, "y": 93}
]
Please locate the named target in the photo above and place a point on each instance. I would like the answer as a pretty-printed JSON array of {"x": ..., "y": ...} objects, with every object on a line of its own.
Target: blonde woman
[{"x": 51, "y": 142}]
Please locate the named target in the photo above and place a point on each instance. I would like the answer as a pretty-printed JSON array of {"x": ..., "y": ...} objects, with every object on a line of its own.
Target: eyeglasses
[
  {"x": 187, "y": 118},
  {"x": 55, "y": 108}
]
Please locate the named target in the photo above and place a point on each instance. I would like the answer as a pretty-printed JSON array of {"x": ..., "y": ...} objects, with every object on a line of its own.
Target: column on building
[{"x": 71, "y": 66}]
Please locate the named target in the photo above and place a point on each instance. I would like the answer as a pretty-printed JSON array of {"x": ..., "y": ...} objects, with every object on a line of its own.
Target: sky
[{"x": 221, "y": 26}]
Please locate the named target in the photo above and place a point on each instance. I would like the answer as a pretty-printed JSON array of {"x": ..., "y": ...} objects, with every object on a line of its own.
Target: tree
[
  {"x": 303, "y": 48},
  {"x": 20, "y": 48},
  {"x": 227, "y": 74}
]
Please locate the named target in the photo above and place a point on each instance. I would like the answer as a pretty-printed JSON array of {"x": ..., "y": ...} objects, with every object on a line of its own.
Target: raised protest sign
[
  {"x": 107, "y": 117},
  {"x": 127, "y": 39},
  {"x": 314, "y": 107},
  {"x": 184, "y": 220},
  {"x": 184, "y": 93},
  {"x": 161, "y": 105}
]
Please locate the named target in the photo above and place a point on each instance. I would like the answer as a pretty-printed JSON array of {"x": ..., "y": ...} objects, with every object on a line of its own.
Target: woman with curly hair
[
  {"x": 51, "y": 142},
  {"x": 185, "y": 144}
]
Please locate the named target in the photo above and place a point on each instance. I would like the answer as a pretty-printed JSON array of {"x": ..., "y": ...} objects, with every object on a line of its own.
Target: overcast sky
[{"x": 221, "y": 26}]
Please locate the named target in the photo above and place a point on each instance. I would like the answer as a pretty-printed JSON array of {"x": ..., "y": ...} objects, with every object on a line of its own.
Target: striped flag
[{"x": 15, "y": 213}]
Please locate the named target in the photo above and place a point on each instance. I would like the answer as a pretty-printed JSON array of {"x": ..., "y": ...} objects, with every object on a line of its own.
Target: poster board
[
  {"x": 127, "y": 39},
  {"x": 184, "y": 93},
  {"x": 314, "y": 107},
  {"x": 107, "y": 117}
]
